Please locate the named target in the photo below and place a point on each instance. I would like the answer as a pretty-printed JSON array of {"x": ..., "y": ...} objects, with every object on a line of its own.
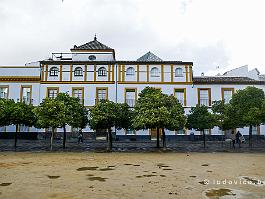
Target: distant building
[{"x": 91, "y": 72}]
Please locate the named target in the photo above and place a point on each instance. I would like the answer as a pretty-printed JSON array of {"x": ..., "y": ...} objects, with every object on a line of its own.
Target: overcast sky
[{"x": 210, "y": 33}]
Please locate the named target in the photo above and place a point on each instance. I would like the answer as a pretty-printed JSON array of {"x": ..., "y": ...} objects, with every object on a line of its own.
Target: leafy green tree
[
  {"x": 76, "y": 115},
  {"x": 154, "y": 110},
  {"x": 247, "y": 105},
  {"x": 21, "y": 115},
  {"x": 103, "y": 116},
  {"x": 223, "y": 113},
  {"x": 200, "y": 119},
  {"x": 50, "y": 114},
  {"x": 106, "y": 114},
  {"x": 5, "y": 111},
  {"x": 124, "y": 116},
  {"x": 176, "y": 119},
  {"x": 149, "y": 111}
]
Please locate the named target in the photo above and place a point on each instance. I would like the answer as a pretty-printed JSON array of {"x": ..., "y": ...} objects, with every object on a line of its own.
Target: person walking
[
  {"x": 238, "y": 140},
  {"x": 233, "y": 137},
  {"x": 80, "y": 136}
]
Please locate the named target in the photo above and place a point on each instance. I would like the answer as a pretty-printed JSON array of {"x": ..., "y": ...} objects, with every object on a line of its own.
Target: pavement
[{"x": 43, "y": 145}]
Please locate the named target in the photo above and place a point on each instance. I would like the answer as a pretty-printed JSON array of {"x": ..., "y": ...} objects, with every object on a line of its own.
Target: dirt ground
[{"x": 132, "y": 175}]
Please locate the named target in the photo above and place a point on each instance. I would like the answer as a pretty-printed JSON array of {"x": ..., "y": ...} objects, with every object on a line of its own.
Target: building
[{"x": 91, "y": 72}]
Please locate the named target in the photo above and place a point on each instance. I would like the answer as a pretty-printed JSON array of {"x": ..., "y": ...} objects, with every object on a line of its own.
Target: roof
[
  {"x": 225, "y": 80},
  {"x": 149, "y": 57},
  {"x": 113, "y": 62},
  {"x": 92, "y": 45}
]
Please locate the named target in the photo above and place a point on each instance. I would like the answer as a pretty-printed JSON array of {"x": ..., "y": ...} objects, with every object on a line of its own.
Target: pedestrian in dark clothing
[
  {"x": 80, "y": 137},
  {"x": 238, "y": 136},
  {"x": 233, "y": 137}
]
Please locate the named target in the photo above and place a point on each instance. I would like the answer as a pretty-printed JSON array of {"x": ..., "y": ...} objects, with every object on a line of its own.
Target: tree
[
  {"x": 124, "y": 116},
  {"x": 21, "y": 114},
  {"x": 176, "y": 119},
  {"x": 75, "y": 113},
  {"x": 50, "y": 114},
  {"x": 247, "y": 105},
  {"x": 102, "y": 116},
  {"x": 106, "y": 114},
  {"x": 5, "y": 111},
  {"x": 200, "y": 119},
  {"x": 156, "y": 110},
  {"x": 223, "y": 113},
  {"x": 149, "y": 111}
]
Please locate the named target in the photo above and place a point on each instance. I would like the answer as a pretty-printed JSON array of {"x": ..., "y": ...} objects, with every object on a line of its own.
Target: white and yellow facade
[{"x": 91, "y": 72}]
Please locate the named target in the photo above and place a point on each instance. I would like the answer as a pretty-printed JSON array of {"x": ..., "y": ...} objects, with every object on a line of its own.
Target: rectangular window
[
  {"x": 52, "y": 92},
  {"x": 4, "y": 92},
  {"x": 206, "y": 131},
  {"x": 2, "y": 129},
  {"x": 26, "y": 94},
  {"x": 102, "y": 94},
  {"x": 255, "y": 130},
  {"x": 204, "y": 96},
  {"x": 23, "y": 128},
  {"x": 181, "y": 132},
  {"x": 78, "y": 93},
  {"x": 130, "y": 96},
  {"x": 130, "y": 132},
  {"x": 180, "y": 94},
  {"x": 227, "y": 94}
]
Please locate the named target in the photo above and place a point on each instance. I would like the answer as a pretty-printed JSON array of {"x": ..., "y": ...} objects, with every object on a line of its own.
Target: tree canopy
[
  {"x": 106, "y": 114},
  {"x": 200, "y": 118},
  {"x": 246, "y": 105},
  {"x": 156, "y": 110}
]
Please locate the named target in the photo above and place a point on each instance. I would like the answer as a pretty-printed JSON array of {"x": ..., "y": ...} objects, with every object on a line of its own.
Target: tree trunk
[
  {"x": 64, "y": 136},
  {"x": 109, "y": 139},
  {"x": 250, "y": 136},
  {"x": 51, "y": 139},
  {"x": 164, "y": 138},
  {"x": 204, "y": 140},
  {"x": 15, "y": 145},
  {"x": 157, "y": 137}
]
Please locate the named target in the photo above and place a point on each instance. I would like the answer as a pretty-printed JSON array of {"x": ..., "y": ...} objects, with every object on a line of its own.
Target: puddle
[
  {"x": 154, "y": 172},
  {"x": 218, "y": 193},
  {"x": 203, "y": 182},
  {"x": 106, "y": 169},
  {"x": 90, "y": 175},
  {"x": 53, "y": 177},
  {"x": 87, "y": 168},
  {"x": 127, "y": 164},
  {"x": 193, "y": 176},
  {"x": 162, "y": 165},
  {"x": 205, "y": 165},
  {"x": 97, "y": 179},
  {"x": 163, "y": 176},
  {"x": 111, "y": 166},
  {"x": 147, "y": 176},
  {"x": 252, "y": 181},
  {"x": 136, "y": 165},
  {"x": 26, "y": 163},
  {"x": 4, "y": 184},
  {"x": 167, "y": 169}
]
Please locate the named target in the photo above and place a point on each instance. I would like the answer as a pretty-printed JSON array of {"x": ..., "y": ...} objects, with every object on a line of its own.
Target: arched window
[
  {"x": 78, "y": 71},
  {"x": 130, "y": 71},
  {"x": 54, "y": 71},
  {"x": 155, "y": 72},
  {"x": 102, "y": 72},
  {"x": 178, "y": 72}
]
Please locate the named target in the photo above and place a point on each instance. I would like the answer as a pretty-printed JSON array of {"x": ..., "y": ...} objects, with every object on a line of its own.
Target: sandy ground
[{"x": 131, "y": 175}]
